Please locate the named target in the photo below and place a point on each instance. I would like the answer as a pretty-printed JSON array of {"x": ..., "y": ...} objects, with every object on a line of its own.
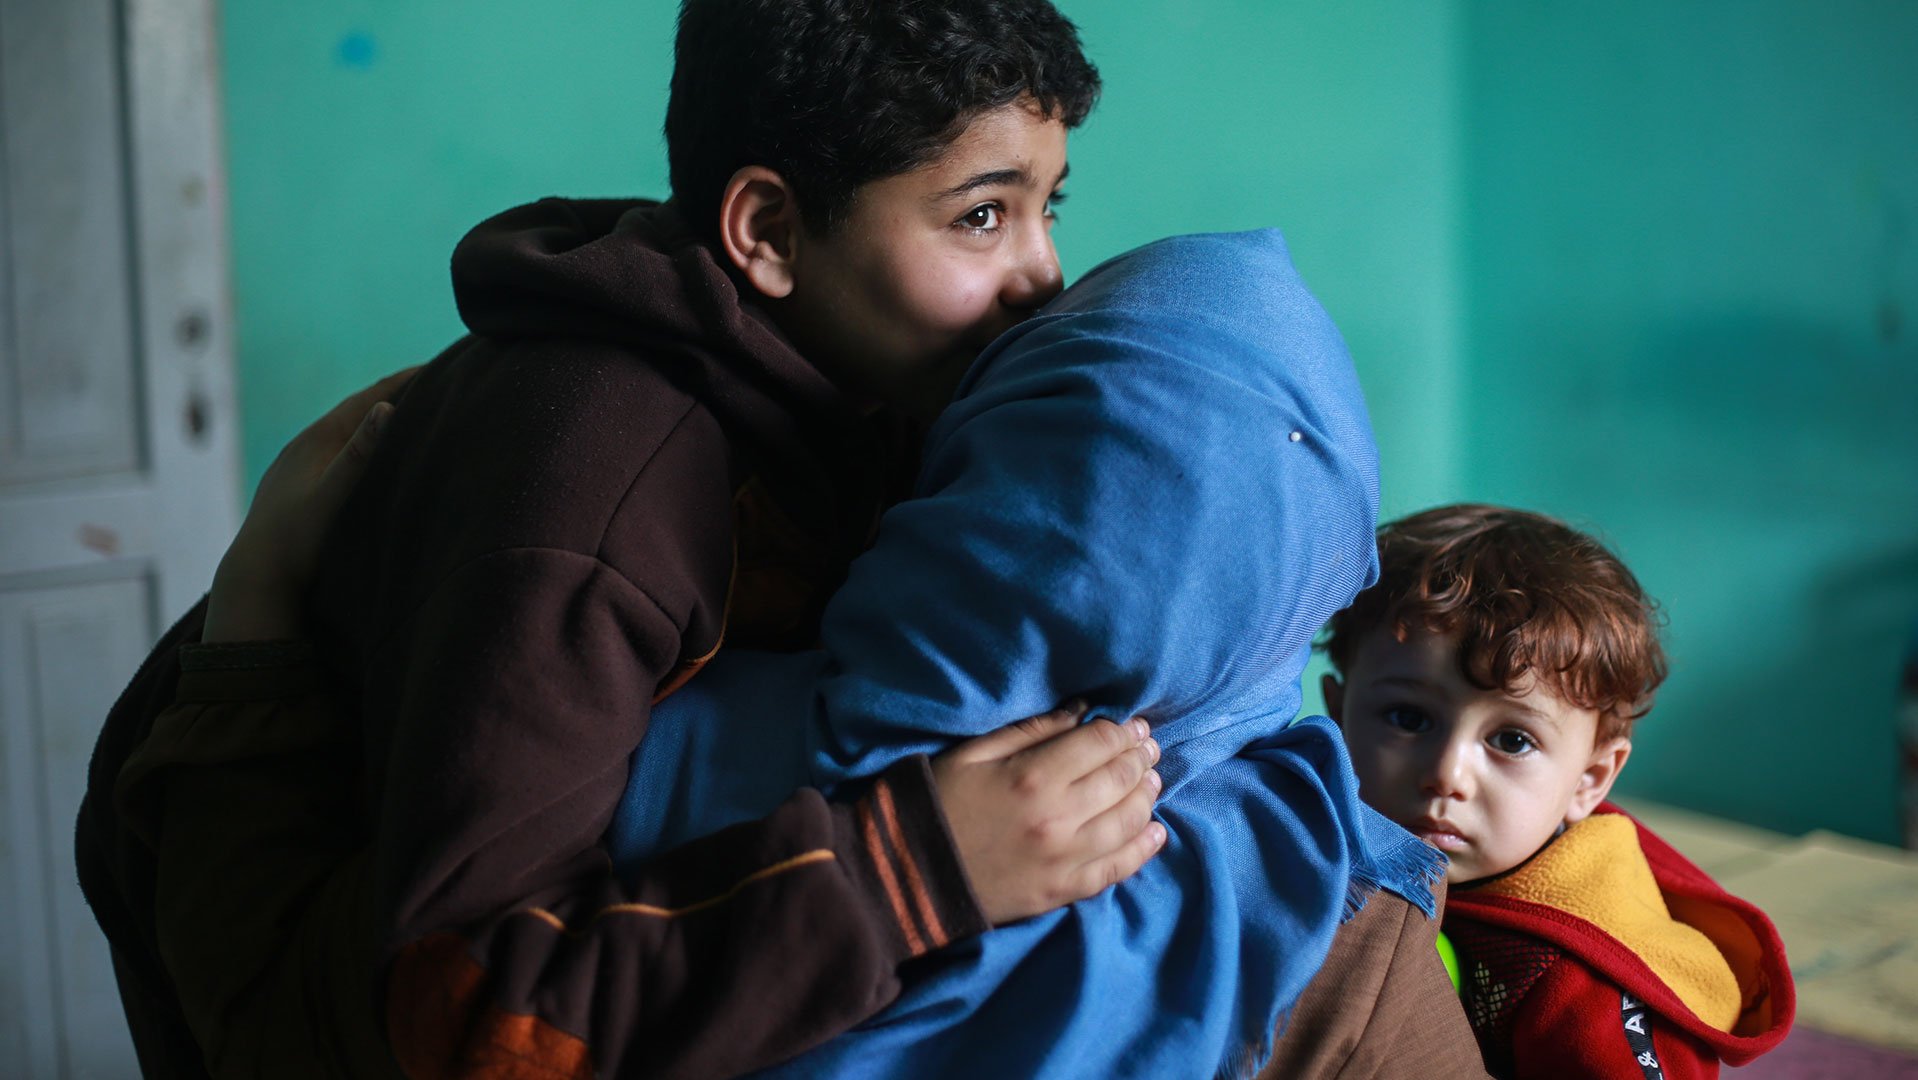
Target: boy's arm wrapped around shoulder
[
  {"x": 244, "y": 790},
  {"x": 521, "y": 689},
  {"x": 727, "y": 954},
  {"x": 1574, "y": 1023},
  {"x": 730, "y": 953}
]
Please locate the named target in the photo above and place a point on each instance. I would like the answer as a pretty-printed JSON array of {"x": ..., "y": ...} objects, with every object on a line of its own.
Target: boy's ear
[
  {"x": 1596, "y": 781},
  {"x": 1334, "y": 692},
  {"x": 759, "y": 228}
]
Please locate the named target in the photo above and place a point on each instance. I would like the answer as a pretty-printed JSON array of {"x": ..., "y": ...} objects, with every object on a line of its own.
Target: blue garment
[{"x": 1151, "y": 495}]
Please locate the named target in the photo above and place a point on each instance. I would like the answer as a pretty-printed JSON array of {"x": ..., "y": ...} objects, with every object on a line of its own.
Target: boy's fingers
[
  {"x": 1115, "y": 779},
  {"x": 351, "y": 412},
  {"x": 344, "y": 470},
  {"x": 385, "y": 389},
  {"x": 1111, "y": 829},
  {"x": 1086, "y": 747},
  {"x": 1104, "y": 872},
  {"x": 1021, "y": 735}
]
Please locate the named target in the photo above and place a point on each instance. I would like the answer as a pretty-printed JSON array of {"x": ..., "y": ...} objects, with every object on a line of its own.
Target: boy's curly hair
[
  {"x": 832, "y": 94},
  {"x": 1525, "y": 595}
]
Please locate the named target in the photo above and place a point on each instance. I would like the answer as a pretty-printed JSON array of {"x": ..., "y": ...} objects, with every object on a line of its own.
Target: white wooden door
[{"x": 118, "y": 459}]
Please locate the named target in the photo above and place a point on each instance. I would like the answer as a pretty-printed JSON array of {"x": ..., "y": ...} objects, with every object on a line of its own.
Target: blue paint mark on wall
[{"x": 357, "y": 50}]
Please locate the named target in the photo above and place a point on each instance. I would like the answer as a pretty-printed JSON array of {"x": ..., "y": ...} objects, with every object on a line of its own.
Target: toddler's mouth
[{"x": 1438, "y": 833}]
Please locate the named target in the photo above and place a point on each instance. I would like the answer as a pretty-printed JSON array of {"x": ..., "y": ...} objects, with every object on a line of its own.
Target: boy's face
[
  {"x": 1485, "y": 776},
  {"x": 931, "y": 265}
]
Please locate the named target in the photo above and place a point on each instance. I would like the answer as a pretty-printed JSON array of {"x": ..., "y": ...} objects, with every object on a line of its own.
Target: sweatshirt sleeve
[
  {"x": 1381, "y": 1006},
  {"x": 1576, "y": 1025},
  {"x": 243, "y": 791},
  {"x": 526, "y": 688},
  {"x": 727, "y": 954}
]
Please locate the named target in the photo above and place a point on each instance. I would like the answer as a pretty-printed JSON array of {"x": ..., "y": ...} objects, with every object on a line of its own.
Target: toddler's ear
[
  {"x": 1608, "y": 758},
  {"x": 1334, "y": 692}
]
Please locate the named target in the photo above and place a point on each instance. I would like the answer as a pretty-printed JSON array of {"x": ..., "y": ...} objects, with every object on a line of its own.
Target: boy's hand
[
  {"x": 1048, "y": 811},
  {"x": 257, "y": 588}
]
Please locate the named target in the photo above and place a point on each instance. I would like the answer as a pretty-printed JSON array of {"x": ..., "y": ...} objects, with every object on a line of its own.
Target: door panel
[
  {"x": 63, "y": 647},
  {"x": 118, "y": 457},
  {"x": 69, "y": 404}
]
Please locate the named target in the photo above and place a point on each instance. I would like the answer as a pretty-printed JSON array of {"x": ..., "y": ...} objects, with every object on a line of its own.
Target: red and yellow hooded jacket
[{"x": 1609, "y": 954}]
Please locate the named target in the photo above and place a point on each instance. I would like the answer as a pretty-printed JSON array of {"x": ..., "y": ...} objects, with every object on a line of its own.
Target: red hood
[{"x": 1589, "y": 894}]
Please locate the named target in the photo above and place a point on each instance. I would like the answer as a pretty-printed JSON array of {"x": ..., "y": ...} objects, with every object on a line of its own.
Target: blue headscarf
[{"x": 1151, "y": 495}]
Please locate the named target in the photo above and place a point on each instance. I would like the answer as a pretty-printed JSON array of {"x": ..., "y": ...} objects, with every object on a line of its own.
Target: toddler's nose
[{"x": 1447, "y": 774}]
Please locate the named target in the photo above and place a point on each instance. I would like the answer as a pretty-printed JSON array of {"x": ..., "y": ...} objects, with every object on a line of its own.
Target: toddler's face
[{"x": 1485, "y": 776}]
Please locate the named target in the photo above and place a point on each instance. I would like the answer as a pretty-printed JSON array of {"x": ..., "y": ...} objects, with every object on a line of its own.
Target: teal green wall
[
  {"x": 1691, "y": 324},
  {"x": 1334, "y": 122},
  {"x": 365, "y": 137},
  {"x": 1533, "y": 230}
]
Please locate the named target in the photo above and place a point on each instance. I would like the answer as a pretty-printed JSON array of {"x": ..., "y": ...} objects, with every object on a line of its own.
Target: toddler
[{"x": 1487, "y": 687}]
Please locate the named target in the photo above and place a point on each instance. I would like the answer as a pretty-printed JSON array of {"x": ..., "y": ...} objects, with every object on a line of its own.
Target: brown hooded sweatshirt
[{"x": 621, "y": 467}]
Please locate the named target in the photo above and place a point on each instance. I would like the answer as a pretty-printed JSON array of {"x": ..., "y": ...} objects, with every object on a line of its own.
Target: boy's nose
[
  {"x": 1448, "y": 773},
  {"x": 1036, "y": 277}
]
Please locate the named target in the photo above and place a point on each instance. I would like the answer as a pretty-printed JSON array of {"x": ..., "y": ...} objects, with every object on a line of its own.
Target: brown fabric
[
  {"x": 257, "y": 881},
  {"x": 545, "y": 539},
  {"x": 117, "y": 870},
  {"x": 1381, "y": 1006},
  {"x": 440, "y": 1014},
  {"x": 261, "y": 915},
  {"x": 278, "y": 661}
]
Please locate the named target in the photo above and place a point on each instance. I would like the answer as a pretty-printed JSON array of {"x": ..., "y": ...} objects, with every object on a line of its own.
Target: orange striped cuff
[{"x": 916, "y": 875}]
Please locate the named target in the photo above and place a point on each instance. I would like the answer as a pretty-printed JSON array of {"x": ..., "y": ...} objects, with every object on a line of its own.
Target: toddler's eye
[
  {"x": 1512, "y": 742},
  {"x": 1407, "y": 719},
  {"x": 983, "y": 217}
]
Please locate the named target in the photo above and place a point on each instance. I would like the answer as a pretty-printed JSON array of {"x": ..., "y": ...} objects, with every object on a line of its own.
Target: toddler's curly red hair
[{"x": 1524, "y": 595}]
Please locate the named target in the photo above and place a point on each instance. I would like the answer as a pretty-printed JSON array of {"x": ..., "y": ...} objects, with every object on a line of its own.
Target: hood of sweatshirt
[
  {"x": 634, "y": 274},
  {"x": 595, "y": 325},
  {"x": 1610, "y": 892}
]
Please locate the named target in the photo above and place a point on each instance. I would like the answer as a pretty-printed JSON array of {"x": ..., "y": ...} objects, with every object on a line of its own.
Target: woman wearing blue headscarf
[{"x": 1151, "y": 496}]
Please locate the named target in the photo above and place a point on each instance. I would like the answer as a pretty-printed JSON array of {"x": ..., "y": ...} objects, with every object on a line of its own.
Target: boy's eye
[
  {"x": 1512, "y": 742},
  {"x": 1052, "y": 204},
  {"x": 983, "y": 217},
  {"x": 1406, "y": 718}
]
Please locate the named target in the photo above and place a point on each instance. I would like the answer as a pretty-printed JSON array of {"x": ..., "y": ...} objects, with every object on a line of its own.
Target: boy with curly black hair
[{"x": 671, "y": 425}]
